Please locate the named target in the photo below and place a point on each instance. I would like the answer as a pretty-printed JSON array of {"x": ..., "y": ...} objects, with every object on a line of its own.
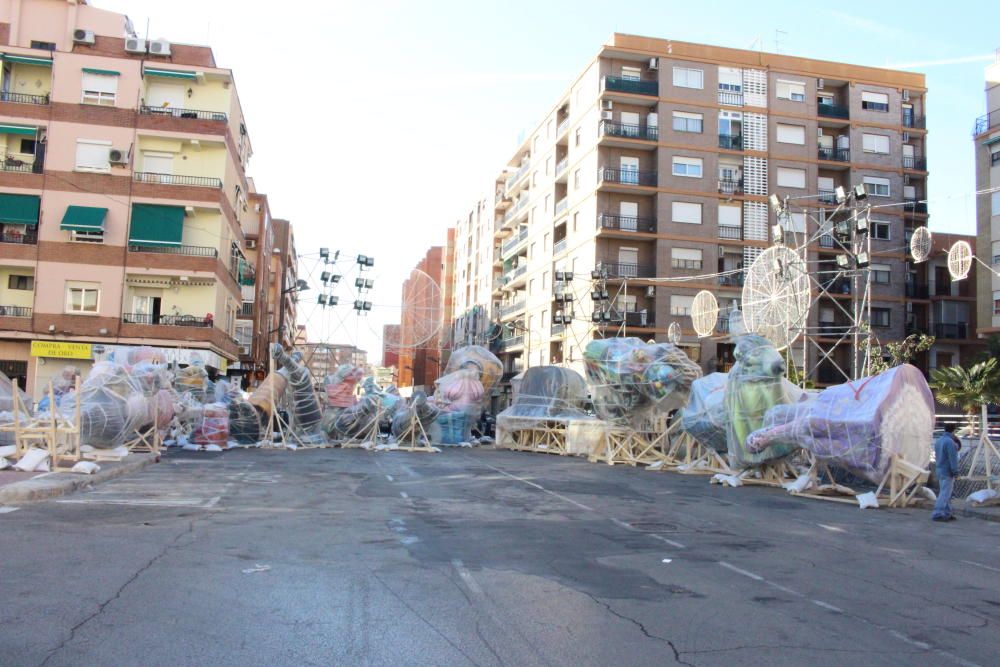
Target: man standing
[{"x": 946, "y": 455}]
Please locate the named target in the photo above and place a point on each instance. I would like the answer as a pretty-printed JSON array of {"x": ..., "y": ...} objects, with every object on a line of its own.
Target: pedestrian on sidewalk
[{"x": 946, "y": 455}]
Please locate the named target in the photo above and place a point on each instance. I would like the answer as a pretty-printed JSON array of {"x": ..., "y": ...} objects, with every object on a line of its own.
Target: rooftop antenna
[
  {"x": 779, "y": 34},
  {"x": 147, "y": 28},
  {"x": 758, "y": 41}
]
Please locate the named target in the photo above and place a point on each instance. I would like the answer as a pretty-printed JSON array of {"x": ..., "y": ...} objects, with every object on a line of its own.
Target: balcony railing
[
  {"x": 168, "y": 320},
  {"x": 246, "y": 309},
  {"x": 509, "y": 245},
  {"x": 629, "y": 85},
  {"x": 986, "y": 121},
  {"x": 686, "y": 264},
  {"x": 195, "y": 114},
  {"x": 513, "y": 341},
  {"x": 21, "y": 98},
  {"x": 626, "y": 270},
  {"x": 731, "y": 186},
  {"x": 639, "y": 319},
  {"x": 722, "y": 326},
  {"x": 515, "y": 273},
  {"x": 914, "y": 162},
  {"x": 522, "y": 170},
  {"x": 626, "y": 223},
  {"x": 176, "y": 179},
  {"x": 951, "y": 330},
  {"x": 914, "y": 291},
  {"x": 610, "y": 128},
  {"x": 918, "y": 122},
  {"x": 914, "y": 206},
  {"x": 15, "y": 311},
  {"x": 732, "y": 280},
  {"x": 730, "y": 233},
  {"x": 826, "y": 241},
  {"x": 558, "y": 328},
  {"x": 511, "y": 308},
  {"x": 190, "y": 250},
  {"x": 28, "y": 238},
  {"x": 627, "y": 176},
  {"x": 731, "y": 98},
  {"x": 562, "y": 127},
  {"x": 11, "y": 163},
  {"x": 835, "y": 154},
  {"x": 562, "y": 165},
  {"x": 559, "y": 246},
  {"x": 561, "y": 206},
  {"x": 827, "y": 197},
  {"x": 832, "y": 329},
  {"x": 833, "y": 111},
  {"x": 733, "y": 142}
]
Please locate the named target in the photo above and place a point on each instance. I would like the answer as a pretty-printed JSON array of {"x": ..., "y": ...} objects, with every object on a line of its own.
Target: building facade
[
  {"x": 421, "y": 323},
  {"x": 986, "y": 138},
  {"x": 651, "y": 175},
  {"x": 474, "y": 275}
]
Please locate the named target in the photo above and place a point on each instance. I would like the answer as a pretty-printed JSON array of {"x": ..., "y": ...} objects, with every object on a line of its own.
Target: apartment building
[
  {"x": 322, "y": 359},
  {"x": 475, "y": 267},
  {"x": 658, "y": 162},
  {"x": 390, "y": 354},
  {"x": 123, "y": 193},
  {"x": 986, "y": 139},
  {"x": 285, "y": 287}
]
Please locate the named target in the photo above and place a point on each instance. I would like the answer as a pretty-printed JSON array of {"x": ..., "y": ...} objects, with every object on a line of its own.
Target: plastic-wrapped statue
[
  {"x": 304, "y": 405},
  {"x": 629, "y": 378},
  {"x": 486, "y": 364},
  {"x": 112, "y": 406},
  {"x": 859, "y": 425},
  {"x": 244, "y": 422},
  {"x": 357, "y": 421},
  {"x": 419, "y": 409},
  {"x": 549, "y": 392},
  {"x": 340, "y": 386},
  {"x": 705, "y": 417},
  {"x": 193, "y": 379},
  {"x": 61, "y": 385},
  {"x": 459, "y": 396}
]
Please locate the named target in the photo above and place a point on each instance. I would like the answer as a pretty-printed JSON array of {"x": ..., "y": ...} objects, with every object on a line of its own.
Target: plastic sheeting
[
  {"x": 705, "y": 417},
  {"x": 486, "y": 364},
  {"x": 859, "y": 425},
  {"x": 340, "y": 386},
  {"x": 419, "y": 409},
  {"x": 303, "y": 405},
  {"x": 630, "y": 378},
  {"x": 112, "y": 406},
  {"x": 548, "y": 392}
]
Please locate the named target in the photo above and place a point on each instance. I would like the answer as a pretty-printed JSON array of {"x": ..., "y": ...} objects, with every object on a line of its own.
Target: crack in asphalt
[{"x": 642, "y": 629}]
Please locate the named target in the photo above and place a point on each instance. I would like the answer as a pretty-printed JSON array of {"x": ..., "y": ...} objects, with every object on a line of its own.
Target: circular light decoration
[
  {"x": 421, "y": 318},
  {"x": 920, "y": 244},
  {"x": 959, "y": 260},
  {"x": 776, "y": 296},
  {"x": 704, "y": 313},
  {"x": 674, "y": 333}
]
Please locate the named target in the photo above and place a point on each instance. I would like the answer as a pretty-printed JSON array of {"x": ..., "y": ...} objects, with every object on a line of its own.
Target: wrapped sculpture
[
  {"x": 112, "y": 406},
  {"x": 244, "y": 422},
  {"x": 630, "y": 378},
  {"x": 459, "y": 396},
  {"x": 418, "y": 410},
  {"x": 487, "y": 365},
  {"x": 357, "y": 421},
  {"x": 548, "y": 392},
  {"x": 340, "y": 386},
  {"x": 193, "y": 379},
  {"x": 858, "y": 426},
  {"x": 304, "y": 409},
  {"x": 705, "y": 417}
]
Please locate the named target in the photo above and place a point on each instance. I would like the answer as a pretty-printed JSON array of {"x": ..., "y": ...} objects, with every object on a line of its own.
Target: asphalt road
[{"x": 346, "y": 557}]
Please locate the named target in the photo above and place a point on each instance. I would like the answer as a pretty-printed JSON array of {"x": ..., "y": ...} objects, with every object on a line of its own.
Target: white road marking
[
  {"x": 390, "y": 478},
  {"x": 985, "y": 567},
  {"x": 832, "y": 529},
  {"x": 8, "y": 510},
  {"x": 403, "y": 495},
  {"x": 467, "y": 577},
  {"x": 543, "y": 489},
  {"x": 912, "y": 642},
  {"x": 733, "y": 568},
  {"x": 666, "y": 560},
  {"x": 784, "y": 589},
  {"x": 139, "y": 502},
  {"x": 824, "y": 605},
  {"x": 621, "y": 523},
  {"x": 665, "y": 540}
]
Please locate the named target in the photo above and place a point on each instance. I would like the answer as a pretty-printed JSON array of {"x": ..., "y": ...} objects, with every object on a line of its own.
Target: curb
[
  {"x": 981, "y": 514},
  {"x": 55, "y": 485}
]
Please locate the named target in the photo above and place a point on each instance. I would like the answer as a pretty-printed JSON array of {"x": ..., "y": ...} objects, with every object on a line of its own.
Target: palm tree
[{"x": 967, "y": 389}]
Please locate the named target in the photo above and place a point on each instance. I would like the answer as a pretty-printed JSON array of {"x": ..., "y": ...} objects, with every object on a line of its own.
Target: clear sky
[{"x": 376, "y": 124}]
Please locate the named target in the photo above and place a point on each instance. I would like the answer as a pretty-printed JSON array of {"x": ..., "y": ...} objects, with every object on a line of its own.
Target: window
[
  {"x": 687, "y": 122},
  {"x": 576, "y": 179},
  {"x": 534, "y": 213},
  {"x": 548, "y": 166},
  {"x": 874, "y": 101},
  {"x": 93, "y": 155},
  {"x": 686, "y": 212},
  {"x": 791, "y": 178},
  {"x": 99, "y": 89},
  {"x": 877, "y": 187},
  {"x": 794, "y": 91},
  {"x": 995, "y": 203},
  {"x": 576, "y": 218},
  {"x": 687, "y": 166},
  {"x": 688, "y": 78},
  {"x": 791, "y": 134},
  {"x": 880, "y": 317},
  {"x": 880, "y": 230},
  {"x": 996, "y": 303},
  {"x": 794, "y": 222},
  {"x": 533, "y": 253},
  {"x": 27, "y": 146},
  {"x": 730, "y": 216},
  {"x": 550, "y": 128},
  {"x": 545, "y": 280},
  {"x": 631, "y": 73},
  {"x": 534, "y": 146},
  {"x": 44, "y": 46},
  {"x": 21, "y": 282},
  {"x": 681, "y": 304},
  {"x": 576, "y": 136},
  {"x": 875, "y": 143},
  {"x": 534, "y": 179},
  {"x": 545, "y": 241},
  {"x": 881, "y": 273},
  {"x": 531, "y": 286},
  {"x": 82, "y": 297},
  {"x": 685, "y": 258},
  {"x": 548, "y": 203},
  {"x": 87, "y": 237},
  {"x": 730, "y": 79},
  {"x": 994, "y": 154}
]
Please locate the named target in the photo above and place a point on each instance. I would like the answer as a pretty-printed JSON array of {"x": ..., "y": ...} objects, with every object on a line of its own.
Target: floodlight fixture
[
  {"x": 778, "y": 233},
  {"x": 860, "y": 192},
  {"x": 567, "y": 276},
  {"x": 321, "y": 299},
  {"x": 324, "y": 253},
  {"x": 325, "y": 276},
  {"x": 863, "y": 260},
  {"x": 776, "y": 204},
  {"x": 841, "y": 194},
  {"x": 844, "y": 261},
  {"x": 332, "y": 300}
]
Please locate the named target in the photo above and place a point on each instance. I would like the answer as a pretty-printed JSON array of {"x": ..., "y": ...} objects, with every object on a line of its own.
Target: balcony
[
  {"x": 626, "y": 223},
  {"x": 833, "y": 111},
  {"x": 731, "y": 186},
  {"x": 722, "y": 326},
  {"x": 914, "y": 206},
  {"x": 561, "y": 166},
  {"x": 562, "y": 127},
  {"x": 732, "y": 280},
  {"x": 189, "y": 250},
  {"x": 21, "y": 98},
  {"x": 561, "y": 206},
  {"x": 15, "y": 311},
  {"x": 626, "y": 270},
  {"x": 522, "y": 170},
  {"x": 168, "y": 320},
  {"x": 246, "y": 309},
  {"x": 685, "y": 264},
  {"x": 513, "y": 341},
  {"x": 639, "y": 319},
  {"x": 914, "y": 291},
  {"x": 733, "y": 142},
  {"x": 827, "y": 197},
  {"x": 193, "y": 114},
  {"x": 958, "y": 330},
  {"x": 914, "y": 162},
  {"x": 730, "y": 233},
  {"x": 628, "y": 85},
  {"x": 559, "y": 247},
  {"x": 514, "y": 274},
  {"x": 827, "y": 241},
  {"x": 916, "y": 122},
  {"x": 985, "y": 122},
  {"x": 612, "y": 129},
  {"x": 508, "y": 309},
  {"x": 832, "y": 329},
  {"x": 558, "y": 329},
  {"x": 176, "y": 179},
  {"x": 627, "y": 176},
  {"x": 30, "y": 237},
  {"x": 510, "y": 245},
  {"x": 731, "y": 98},
  {"x": 835, "y": 154},
  {"x": 14, "y": 164}
]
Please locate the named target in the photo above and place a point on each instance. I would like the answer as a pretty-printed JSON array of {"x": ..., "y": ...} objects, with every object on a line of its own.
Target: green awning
[
  {"x": 19, "y": 209},
  {"x": 169, "y": 73},
  {"x": 18, "y": 129},
  {"x": 991, "y": 140},
  {"x": 156, "y": 225},
  {"x": 83, "y": 219},
  {"x": 105, "y": 72},
  {"x": 27, "y": 60}
]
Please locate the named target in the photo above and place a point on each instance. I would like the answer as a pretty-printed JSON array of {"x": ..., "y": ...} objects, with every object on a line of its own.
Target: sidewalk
[
  {"x": 25, "y": 487},
  {"x": 966, "y": 509}
]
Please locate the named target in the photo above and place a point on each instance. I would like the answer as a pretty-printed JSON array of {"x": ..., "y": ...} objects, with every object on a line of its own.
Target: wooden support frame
[
  {"x": 275, "y": 419},
  {"x": 985, "y": 455},
  {"x": 57, "y": 436},
  {"x": 536, "y": 434},
  {"x": 687, "y": 456},
  {"x": 414, "y": 439}
]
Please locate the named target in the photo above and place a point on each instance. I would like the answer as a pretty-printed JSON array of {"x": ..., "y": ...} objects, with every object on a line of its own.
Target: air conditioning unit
[
  {"x": 607, "y": 105},
  {"x": 820, "y": 83},
  {"x": 83, "y": 36},
  {"x": 118, "y": 156},
  {"x": 159, "y": 47},
  {"x": 906, "y": 96},
  {"x": 654, "y": 63},
  {"x": 607, "y": 115},
  {"x": 135, "y": 45},
  {"x": 650, "y": 291},
  {"x": 251, "y": 244}
]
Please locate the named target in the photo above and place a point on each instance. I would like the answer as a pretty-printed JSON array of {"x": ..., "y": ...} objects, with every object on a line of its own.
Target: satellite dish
[
  {"x": 920, "y": 244},
  {"x": 421, "y": 314},
  {"x": 776, "y": 296},
  {"x": 674, "y": 333},
  {"x": 704, "y": 313},
  {"x": 959, "y": 260}
]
